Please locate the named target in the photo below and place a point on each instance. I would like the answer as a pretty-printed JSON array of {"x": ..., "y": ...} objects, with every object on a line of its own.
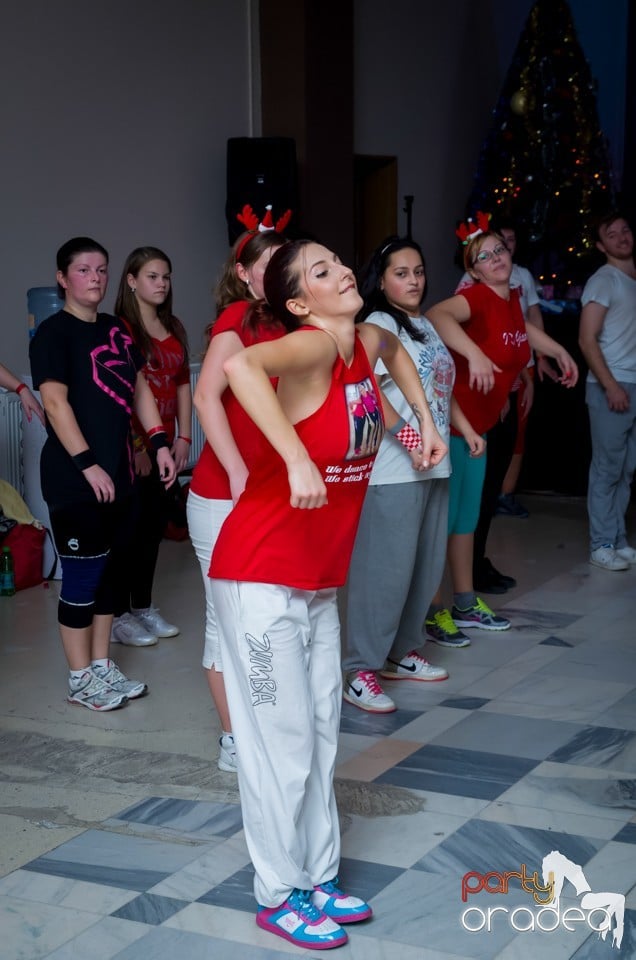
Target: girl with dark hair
[
  {"x": 232, "y": 439},
  {"x": 144, "y": 303},
  {"x": 280, "y": 556},
  {"x": 400, "y": 547},
  {"x": 88, "y": 371}
]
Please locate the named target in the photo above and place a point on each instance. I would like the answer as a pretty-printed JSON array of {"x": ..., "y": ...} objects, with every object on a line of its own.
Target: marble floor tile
[
  {"x": 398, "y": 841},
  {"x": 103, "y": 941},
  {"x": 355, "y": 720},
  {"x": 563, "y": 821},
  {"x": 425, "y": 909},
  {"x": 196, "y": 878},
  {"x": 595, "y": 948},
  {"x": 376, "y": 759},
  {"x": 351, "y": 744},
  {"x": 465, "y": 703},
  {"x": 188, "y": 817},
  {"x": 482, "y": 846},
  {"x": 168, "y": 943},
  {"x": 430, "y": 724},
  {"x": 621, "y": 714},
  {"x": 31, "y": 930},
  {"x": 512, "y": 736},
  {"x": 627, "y": 834},
  {"x": 150, "y": 908},
  {"x": 604, "y": 747},
  {"x": 62, "y": 892},
  {"x": 565, "y": 788},
  {"x": 235, "y": 892},
  {"x": 469, "y": 773},
  {"x": 544, "y": 694},
  {"x": 590, "y": 660}
]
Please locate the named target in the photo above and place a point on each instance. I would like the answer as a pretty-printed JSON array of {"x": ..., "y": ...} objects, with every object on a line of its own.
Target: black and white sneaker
[{"x": 362, "y": 689}]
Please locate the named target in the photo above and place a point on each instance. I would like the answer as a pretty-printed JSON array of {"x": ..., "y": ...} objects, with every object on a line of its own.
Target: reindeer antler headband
[
  {"x": 469, "y": 230},
  {"x": 253, "y": 226}
]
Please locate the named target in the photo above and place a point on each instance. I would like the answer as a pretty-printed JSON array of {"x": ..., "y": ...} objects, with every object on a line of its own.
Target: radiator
[
  {"x": 11, "y": 440},
  {"x": 198, "y": 437},
  {"x": 11, "y": 449}
]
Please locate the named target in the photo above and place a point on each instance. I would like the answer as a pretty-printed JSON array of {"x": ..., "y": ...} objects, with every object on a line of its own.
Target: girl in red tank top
[
  {"x": 232, "y": 439},
  {"x": 277, "y": 562}
]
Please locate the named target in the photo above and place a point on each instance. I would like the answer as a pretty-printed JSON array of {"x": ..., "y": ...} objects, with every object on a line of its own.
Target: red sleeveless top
[{"x": 265, "y": 539}]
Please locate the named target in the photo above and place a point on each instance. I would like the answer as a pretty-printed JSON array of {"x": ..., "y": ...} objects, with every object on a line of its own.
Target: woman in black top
[{"x": 87, "y": 369}]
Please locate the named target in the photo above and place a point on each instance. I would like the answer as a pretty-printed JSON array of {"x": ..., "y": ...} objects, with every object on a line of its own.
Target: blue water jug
[{"x": 41, "y": 303}]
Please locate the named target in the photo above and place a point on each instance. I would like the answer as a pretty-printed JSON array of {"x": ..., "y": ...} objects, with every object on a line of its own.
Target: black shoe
[
  {"x": 484, "y": 584},
  {"x": 493, "y": 574}
]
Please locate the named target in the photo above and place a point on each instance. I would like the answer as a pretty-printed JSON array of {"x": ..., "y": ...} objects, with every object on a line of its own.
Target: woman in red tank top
[
  {"x": 219, "y": 476},
  {"x": 281, "y": 554}
]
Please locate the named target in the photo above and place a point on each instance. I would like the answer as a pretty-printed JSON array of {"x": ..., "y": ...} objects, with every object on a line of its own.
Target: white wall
[{"x": 114, "y": 124}]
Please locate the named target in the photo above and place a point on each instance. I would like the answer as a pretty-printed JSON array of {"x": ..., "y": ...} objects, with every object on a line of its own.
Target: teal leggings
[{"x": 466, "y": 482}]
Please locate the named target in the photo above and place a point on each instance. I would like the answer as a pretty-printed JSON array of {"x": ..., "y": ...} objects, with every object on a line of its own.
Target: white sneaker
[
  {"x": 227, "y": 754},
  {"x": 117, "y": 681},
  {"x": 608, "y": 558},
  {"x": 152, "y": 620},
  {"x": 413, "y": 667},
  {"x": 129, "y": 631},
  {"x": 626, "y": 553},
  {"x": 362, "y": 689},
  {"x": 91, "y": 692}
]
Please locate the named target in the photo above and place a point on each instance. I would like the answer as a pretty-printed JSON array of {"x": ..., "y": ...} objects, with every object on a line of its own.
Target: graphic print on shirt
[
  {"x": 106, "y": 359},
  {"x": 262, "y": 684},
  {"x": 441, "y": 364},
  {"x": 366, "y": 426}
]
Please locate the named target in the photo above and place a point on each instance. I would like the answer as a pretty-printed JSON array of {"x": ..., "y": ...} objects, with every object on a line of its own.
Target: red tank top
[
  {"x": 209, "y": 478},
  {"x": 265, "y": 539}
]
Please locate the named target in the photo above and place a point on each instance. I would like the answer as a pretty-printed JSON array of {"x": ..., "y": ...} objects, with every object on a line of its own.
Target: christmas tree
[{"x": 544, "y": 164}]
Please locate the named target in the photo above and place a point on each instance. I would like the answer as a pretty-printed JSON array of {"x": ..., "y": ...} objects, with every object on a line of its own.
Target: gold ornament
[{"x": 519, "y": 103}]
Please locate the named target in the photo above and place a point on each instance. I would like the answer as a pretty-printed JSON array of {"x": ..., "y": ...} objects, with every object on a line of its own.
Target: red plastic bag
[{"x": 27, "y": 548}]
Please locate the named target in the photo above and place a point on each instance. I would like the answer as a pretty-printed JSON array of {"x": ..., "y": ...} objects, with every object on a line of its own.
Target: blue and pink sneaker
[
  {"x": 301, "y": 922},
  {"x": 342, "y": 908}
]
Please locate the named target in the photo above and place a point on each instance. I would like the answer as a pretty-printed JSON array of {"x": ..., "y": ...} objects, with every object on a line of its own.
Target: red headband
[
  {"x": 468, "y": 231},
  {"x": 249, "y": 219}
]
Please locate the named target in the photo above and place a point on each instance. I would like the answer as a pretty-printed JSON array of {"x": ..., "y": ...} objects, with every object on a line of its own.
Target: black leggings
[
  {"x": 92, "y": 540},
  {"x": 500, "y": 445},
  {"x": 151, "y": 511}
]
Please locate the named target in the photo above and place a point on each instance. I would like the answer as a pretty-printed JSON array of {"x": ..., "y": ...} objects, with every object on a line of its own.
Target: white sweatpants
[
  {"x": 281, "y": 661},
  {"x": 205, "y": 519}
]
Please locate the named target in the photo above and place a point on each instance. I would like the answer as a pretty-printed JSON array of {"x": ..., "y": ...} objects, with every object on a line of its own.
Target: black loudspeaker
[{"x": 261, "y": 171}]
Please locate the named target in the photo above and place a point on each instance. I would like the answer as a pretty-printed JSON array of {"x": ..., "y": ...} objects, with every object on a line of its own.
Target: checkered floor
[{"x": 528, "y": 748}]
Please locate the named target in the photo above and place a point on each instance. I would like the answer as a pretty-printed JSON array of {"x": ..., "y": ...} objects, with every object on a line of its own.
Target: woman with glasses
[{"x": 484, "y": 329}]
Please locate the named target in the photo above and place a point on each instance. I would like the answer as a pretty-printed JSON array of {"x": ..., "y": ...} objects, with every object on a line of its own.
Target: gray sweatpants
[
  {"x": 613, "y": 463},
  {"x": 396, "y": 567}
]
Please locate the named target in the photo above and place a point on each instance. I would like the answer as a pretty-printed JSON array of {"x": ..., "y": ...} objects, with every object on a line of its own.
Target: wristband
[
  {"x": 20, "y": 387},
  {"x": 84, "y": 460},
  {"x": 395, "y": 429},
  {"x": 187, "y": 439},
  {"x": 409, "y": 437},
  {"x": 158, "y": 440},
  {"x": 155, "y": 430}
]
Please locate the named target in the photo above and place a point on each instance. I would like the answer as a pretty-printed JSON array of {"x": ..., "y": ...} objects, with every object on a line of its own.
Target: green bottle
[{"x": 7, "y": 575}]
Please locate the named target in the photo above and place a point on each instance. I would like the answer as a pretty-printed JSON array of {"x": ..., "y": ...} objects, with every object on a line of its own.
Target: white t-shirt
[
  {"x": 437, "y": 372},
  {"x": 613, "y": 289}
]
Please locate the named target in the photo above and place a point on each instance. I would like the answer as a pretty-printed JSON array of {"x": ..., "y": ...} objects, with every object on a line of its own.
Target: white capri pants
[
  {"x": 205, "y": 519},
  {"x": 281, "y": 661}
]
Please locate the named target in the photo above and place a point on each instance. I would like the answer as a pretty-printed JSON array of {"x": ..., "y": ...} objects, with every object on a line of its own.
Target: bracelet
[
  {"x": 138, "y": 444},
  {"x": 409, "y": 437},
  {"x": 84, "y": 460},
  {"x": 187, "y": 439},
  {"x": 159, "y": 440},
  {"x": 395, "y": 429},
  {"x": 154, "y": 430},
  {"x": 20, "y": 387}
]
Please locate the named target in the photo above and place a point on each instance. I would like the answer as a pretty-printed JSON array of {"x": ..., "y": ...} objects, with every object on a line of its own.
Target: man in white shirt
[{"x": 607, "y": 337}]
